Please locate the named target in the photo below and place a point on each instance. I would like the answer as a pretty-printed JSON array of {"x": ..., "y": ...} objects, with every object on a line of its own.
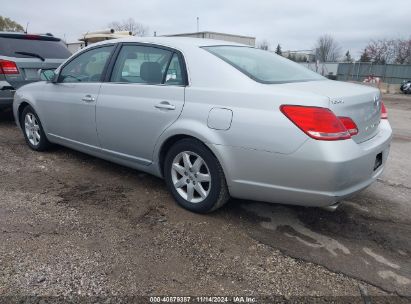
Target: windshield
[
  {"x": 47, "y": 49},
  {"x": 263, "y": 66}
]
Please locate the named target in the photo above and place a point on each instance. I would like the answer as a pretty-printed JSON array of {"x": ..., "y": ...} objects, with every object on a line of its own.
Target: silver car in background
[{"x": 214, "y": 119}]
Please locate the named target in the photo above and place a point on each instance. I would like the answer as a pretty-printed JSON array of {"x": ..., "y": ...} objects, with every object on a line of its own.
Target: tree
[
  {"x": 327, "y": 49},
  {"x": 403, "y": 55},
  {"x": 389, "y": 51},
  {"x": 278, "y": 50},
  {"x": 364, "y": 56},
  {"x": 381, "y": 51},
  {"x": 130, "y": 25},
  {"x": 348, "y": 57},
  {"x": 291, "y": 56},
  {"x": 264, "y": 45},
  {"x": 9, "y": 25}
]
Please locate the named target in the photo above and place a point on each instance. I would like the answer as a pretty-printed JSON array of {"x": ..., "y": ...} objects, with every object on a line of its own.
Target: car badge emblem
[{"x": 337, "y": 101}]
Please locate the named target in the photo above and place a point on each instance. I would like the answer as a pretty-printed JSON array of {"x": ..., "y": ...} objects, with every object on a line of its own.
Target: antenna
[{"x": 198, "y": 24}]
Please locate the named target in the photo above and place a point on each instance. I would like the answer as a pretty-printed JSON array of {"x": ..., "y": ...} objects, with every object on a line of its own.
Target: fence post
[{"x": 384, "y": 73}]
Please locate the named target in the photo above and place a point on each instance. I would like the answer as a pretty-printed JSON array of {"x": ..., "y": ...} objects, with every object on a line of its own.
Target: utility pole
[
  {"x": 198, "y": 24},
  {"x": 27, "y": 26}
]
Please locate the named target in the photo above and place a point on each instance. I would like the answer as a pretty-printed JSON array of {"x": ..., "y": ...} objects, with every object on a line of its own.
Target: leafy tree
[
  {"x": 8, "y": 25},
  {"x": 130, "y": 25},
  {"x": 278, "y": 50}
]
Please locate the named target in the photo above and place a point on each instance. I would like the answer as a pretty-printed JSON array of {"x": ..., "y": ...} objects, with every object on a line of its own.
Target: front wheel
[
  {"x": 195, "y": 177},
  {"x": 33, "y": 130}
]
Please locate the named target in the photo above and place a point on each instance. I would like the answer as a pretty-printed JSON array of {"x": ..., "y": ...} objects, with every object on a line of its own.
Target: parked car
[
  {"x": 214, "y": 119},
  {"x": 21, "y": 56},
  {"x": 406, "y": 87}
]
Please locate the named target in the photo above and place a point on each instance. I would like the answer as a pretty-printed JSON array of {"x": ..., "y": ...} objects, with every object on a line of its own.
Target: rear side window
[
  {"x": 44, "y": 48},
  {"x": 147, "y": 65}
]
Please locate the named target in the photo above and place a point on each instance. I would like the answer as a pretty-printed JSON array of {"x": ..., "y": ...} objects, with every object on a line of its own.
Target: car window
[
  {"x": 174, "y": 74},
  {"x": 263, "y": 66},
  {"x": 12, "y": 47},
  {"x": 141, "y": 64},
  {"x": 86, "y": 67}
]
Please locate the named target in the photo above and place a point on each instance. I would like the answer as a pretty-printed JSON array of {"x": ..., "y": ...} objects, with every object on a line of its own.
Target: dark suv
[{"x": 22, "y": 56}]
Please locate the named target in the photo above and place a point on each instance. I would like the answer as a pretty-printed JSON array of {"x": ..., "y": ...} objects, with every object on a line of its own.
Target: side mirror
[{"x": 47, "y": 75}]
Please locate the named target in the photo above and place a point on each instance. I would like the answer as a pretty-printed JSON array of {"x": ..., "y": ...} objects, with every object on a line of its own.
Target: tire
[
  {"x": 33, "y": 130},
  {"x": 188, "y": 154}
]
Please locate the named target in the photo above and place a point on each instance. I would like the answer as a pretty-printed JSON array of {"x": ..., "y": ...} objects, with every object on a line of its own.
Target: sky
[{"x": 296, "y": 25}]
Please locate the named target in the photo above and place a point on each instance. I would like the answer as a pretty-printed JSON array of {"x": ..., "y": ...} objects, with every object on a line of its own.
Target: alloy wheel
[
  {"x": 32, "y": 129},
  {"x": 191, "y": 177}
]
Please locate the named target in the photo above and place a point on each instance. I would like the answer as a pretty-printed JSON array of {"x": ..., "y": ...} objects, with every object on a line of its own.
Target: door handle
[
  {"x": 88, "y": 98},
  {"x": 165, "y": 105}
]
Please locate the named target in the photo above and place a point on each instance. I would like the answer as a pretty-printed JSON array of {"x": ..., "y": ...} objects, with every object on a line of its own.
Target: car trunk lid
[{"x": 359, "y": 102}]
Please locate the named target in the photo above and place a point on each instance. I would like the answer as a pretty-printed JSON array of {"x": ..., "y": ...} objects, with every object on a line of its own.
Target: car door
[
  {"x": 143, "y": 96},
  {"x": 70, "y": 103}
]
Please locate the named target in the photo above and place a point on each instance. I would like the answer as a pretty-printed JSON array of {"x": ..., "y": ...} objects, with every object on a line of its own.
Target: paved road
[
  {"x": 71, "y": 223},
  {"x": 369, "y": 236}
]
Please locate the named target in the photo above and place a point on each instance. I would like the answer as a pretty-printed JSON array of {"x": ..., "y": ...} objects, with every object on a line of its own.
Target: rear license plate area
[{"x": 378, "y": 161}]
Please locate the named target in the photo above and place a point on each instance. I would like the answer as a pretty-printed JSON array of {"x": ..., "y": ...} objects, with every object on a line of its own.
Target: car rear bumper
[{"x": 319, "y": 173}]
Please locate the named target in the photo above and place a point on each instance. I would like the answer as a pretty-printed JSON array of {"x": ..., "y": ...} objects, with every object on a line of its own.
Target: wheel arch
[
  {"x": 24, "y": 104},
  {"x": 169, "y": 141}
]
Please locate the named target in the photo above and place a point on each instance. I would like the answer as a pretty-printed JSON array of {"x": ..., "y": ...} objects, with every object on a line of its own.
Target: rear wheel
[
  {"x": 195, "y": 177},
  {"x": 33, "y": 130}
]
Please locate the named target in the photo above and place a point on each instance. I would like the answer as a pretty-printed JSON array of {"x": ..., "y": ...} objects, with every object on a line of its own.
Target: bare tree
[
  {"x": 403, "y": 52},
  {"x": 364, "y": 56},
  {"x": 264, "y": 45},
  {"x": 327, "y": 49},
  {"x": 381, "y": 51},
  {"x": 138, "y": 29},
  {"x": 389, "y": 51}
]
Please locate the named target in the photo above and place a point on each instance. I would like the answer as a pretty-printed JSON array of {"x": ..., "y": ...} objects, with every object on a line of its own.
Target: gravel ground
[{"x": 72, "y": 224}]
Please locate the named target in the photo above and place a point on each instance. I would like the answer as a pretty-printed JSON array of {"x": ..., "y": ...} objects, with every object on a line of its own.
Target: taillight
[
  {"x": 349, "y": 124},
  {"x": 384, "y": 113},
  {"x": 8, "y": 67},
  {"x": 318, "y": 123}
]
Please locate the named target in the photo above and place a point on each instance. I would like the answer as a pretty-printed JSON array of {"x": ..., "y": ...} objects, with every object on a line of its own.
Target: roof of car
[
  {"x": 22, "y": 35},
  {"x": 176, "y": 42}
]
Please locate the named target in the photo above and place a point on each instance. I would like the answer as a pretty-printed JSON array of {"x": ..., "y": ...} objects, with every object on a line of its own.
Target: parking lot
[{"x": 71, "y": 223}]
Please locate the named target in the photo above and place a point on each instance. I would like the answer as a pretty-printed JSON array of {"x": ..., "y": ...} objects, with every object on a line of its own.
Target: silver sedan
[{"x": 214, "y": 119}]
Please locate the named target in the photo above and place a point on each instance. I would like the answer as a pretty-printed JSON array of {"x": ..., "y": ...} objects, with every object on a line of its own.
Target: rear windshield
[
  {"x": 263, "y": 66},
  {"x": 44, "y": 48}
]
